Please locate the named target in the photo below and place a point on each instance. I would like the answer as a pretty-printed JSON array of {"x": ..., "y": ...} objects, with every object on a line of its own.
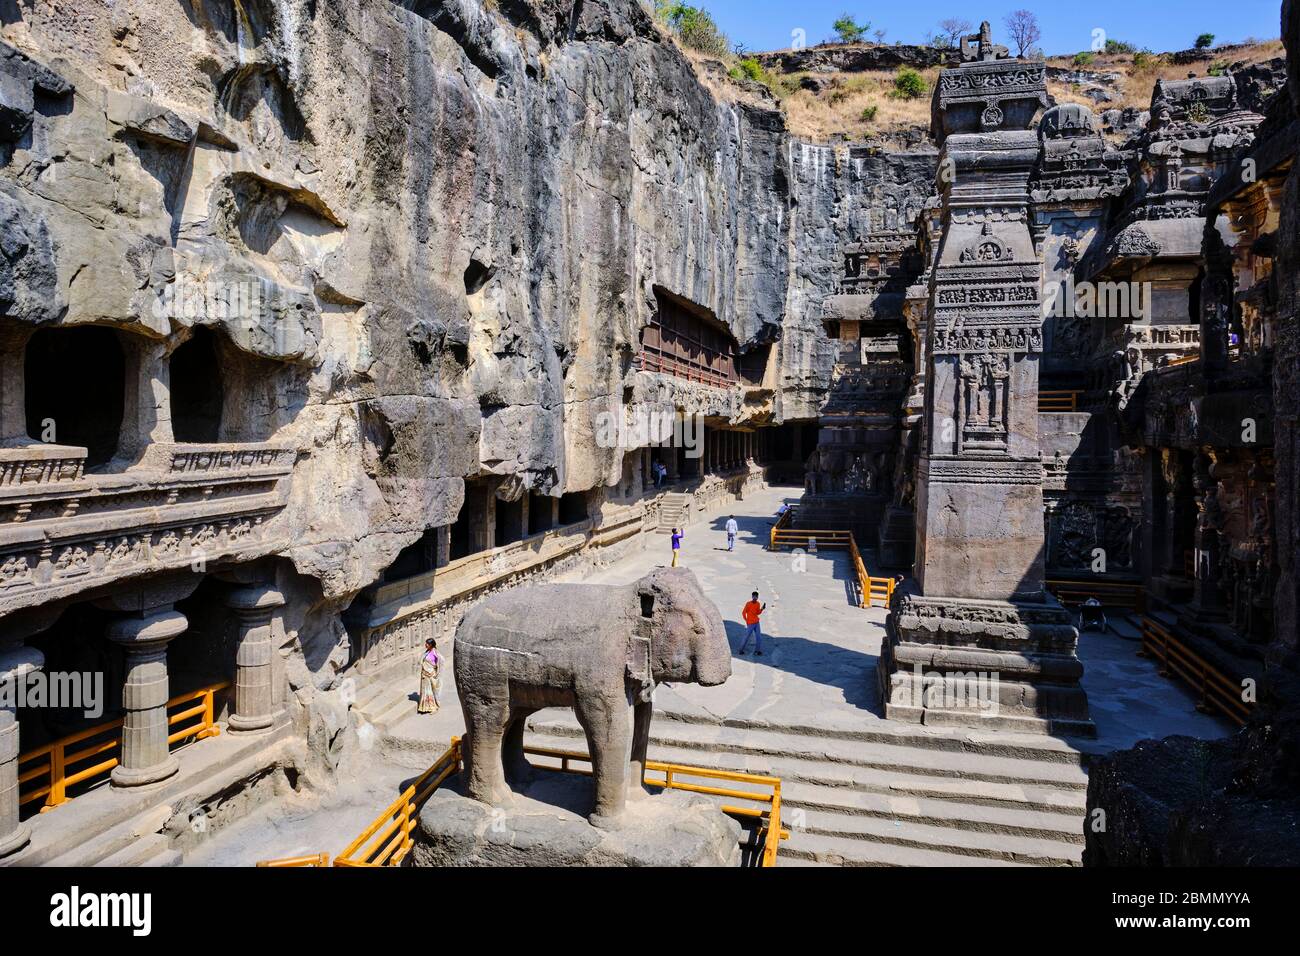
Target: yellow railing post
[{"x": 58, "y": 784}]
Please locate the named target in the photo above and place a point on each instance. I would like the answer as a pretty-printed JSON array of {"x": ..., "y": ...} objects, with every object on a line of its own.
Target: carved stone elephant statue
[{"x": 598, "y": 649}]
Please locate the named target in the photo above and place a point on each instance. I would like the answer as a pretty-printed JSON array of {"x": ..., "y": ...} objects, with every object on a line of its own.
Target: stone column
[
  {"x": 146, "y": 415},
  {"x": 145, "y": 758},
  {"x": 1207, "y": 599},
  {"x": 16, "y": 662},
  {"x": 255, "y": 608},
  {"x": 443, "y": 546},
  {"x": 978, "y": 605},
  {"x": 13, "y": 388}
]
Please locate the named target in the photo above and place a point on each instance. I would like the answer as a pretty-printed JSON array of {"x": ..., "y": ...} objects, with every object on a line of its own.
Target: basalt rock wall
[{"x": 455, "y": 218}]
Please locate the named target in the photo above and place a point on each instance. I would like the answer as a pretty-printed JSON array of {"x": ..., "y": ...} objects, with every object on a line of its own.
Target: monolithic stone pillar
[
  {"x": 145, "y": 758},
  {"x": 146, "y": 413},
  {"x": 1207, "y": 599},
  {"x": 255, "y": 608},
  {"x": 13, "y": 398},
  {"x": 443, "y": 546},
  {"x": 983, "y": 644},
  {"x": 16, "y": 662}
]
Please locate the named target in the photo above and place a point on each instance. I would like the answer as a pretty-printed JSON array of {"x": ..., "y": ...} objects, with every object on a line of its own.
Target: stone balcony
[{"x": 64, "y": 532}]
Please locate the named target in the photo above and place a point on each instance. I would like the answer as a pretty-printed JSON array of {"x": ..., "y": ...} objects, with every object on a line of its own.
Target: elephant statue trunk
[{"x": 598, "y": 649}]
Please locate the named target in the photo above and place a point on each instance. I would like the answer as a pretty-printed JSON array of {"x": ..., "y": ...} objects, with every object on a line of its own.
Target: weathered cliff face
[
  {"x": 449, "y": 221},
  {"x": 841, "y": 195}
]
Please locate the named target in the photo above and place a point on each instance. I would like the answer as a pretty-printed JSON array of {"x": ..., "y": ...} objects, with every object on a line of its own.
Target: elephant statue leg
[
  {"x": 641, "y": 715},
  {"x": 518, "y": 770},
  {"x": 609, "y": 737},
  {"x": 485, "y": 724}
]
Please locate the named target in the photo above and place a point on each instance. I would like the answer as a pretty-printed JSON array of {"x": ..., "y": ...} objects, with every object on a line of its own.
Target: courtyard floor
[{"x": 818, "y": 671}]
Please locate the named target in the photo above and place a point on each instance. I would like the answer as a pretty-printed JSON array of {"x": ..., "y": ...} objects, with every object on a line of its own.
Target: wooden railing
[
  {"x": 769, "y": 819},
  {"x": 388, "y": 840},
  {"x": 1060, "y": 400},
  {"x": 782, "y": 522},
  {"x": 1217, "y": 690},
  {"x": 1131, "y": 597},
  {"x": 67, "y": 760},
  {"x": 870, "y": 589},
  {"x": 320, "y": 859}
]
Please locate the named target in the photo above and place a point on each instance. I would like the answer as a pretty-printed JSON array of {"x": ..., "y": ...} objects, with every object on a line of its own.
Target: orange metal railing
[
  {"x": 1060, "y": 400},
  {"x": 870, "y": 589},
  {"x": 92, "y": 753},
  {"x": 1217, "y": 690},
  {"x": 388, "y": 840},
  {"x": 320, "y": 859},
  {"x": 1118, "y": 594}
]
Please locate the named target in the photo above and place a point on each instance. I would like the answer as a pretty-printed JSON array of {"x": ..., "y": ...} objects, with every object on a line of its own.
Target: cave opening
[
  {"x": 197, "y": 391},
  {"x": 75, "y": 389}
]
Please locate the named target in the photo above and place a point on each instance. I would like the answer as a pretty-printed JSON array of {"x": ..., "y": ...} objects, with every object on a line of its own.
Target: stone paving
[{"x": 817, "y": 672}]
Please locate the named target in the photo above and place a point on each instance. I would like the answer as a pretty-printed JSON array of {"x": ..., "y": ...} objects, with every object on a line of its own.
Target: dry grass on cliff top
[
  {"x": 1138, "y": 74},
  {"x": 860, "y": 106}
]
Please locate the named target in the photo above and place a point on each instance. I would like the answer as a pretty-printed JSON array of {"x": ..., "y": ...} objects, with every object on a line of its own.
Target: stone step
[
  {"x": 994, "y": 743},
  {"x": 979, "y": 848},
  {"x": 780, "y": 749},
  {"x": 953, "y": 812},
  {"x": 151, "y": 849},
  {"x": 949, "y": 815},
  {"x": 841, "y": 851}
]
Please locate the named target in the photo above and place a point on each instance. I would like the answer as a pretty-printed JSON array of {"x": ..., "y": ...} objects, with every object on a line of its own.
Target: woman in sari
[{"x": 429, "y": 679}]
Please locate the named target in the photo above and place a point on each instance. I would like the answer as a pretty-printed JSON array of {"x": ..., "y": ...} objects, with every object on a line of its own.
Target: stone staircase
[
  {"x": 674, "y": 512},
  {"x": 890, "y": 794}
]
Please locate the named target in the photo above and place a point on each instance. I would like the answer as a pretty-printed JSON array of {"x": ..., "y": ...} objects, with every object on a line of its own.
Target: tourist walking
[
  {"x": 429, "y": 667},
  {"x": 752, "y": 612},
  {"x": 678, "y": 534},
  {"x": 732, "y": 530}
]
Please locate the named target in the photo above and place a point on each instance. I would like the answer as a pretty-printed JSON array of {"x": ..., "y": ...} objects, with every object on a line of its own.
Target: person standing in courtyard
[
  {"x": 678, "y": 534},
  {"x": 732, "y": 530},
  {"x": 752, "y": 612},
  {"x": 429, "y": 666}
]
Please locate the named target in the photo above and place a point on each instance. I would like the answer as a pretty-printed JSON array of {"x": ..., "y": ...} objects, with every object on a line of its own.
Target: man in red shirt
[{"x": 751, "y": 613}]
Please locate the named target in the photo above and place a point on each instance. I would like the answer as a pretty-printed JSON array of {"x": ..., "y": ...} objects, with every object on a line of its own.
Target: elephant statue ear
[{"x": 638, "y": 664}]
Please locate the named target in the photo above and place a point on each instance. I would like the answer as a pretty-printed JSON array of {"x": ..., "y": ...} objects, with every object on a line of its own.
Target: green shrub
[
  {"x": 1146, "y": 60},
  {"x": 849, "y": 30},
  {"x": 1119, "y": 46},
  {"x": 1205, "y": 41},
  {"x": 695, "y": 27},
  {"x": 869, "y": 113},
  {"x": 1084, "y": 58},
  {"x": 749, "y": 69},
  {"x": 1217, "y": 69},
  {"x": 909, "y": 84}
]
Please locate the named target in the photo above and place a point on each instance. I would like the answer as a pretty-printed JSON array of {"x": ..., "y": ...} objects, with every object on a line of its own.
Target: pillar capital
[
  {"x": 142, "y": 631},
  {"x": 255, "y": 600}
]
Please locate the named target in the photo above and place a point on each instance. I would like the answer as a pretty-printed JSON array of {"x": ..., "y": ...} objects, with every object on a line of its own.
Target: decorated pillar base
[{"x": 986, "y": 664}]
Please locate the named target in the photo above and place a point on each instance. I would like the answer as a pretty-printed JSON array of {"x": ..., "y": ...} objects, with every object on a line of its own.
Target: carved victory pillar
[
  {"x": 144, "y": 636},
  {"x": 16, "y": 662},
  {"x": 255, "y": 607},
  {"x": 979, "y": 642}
]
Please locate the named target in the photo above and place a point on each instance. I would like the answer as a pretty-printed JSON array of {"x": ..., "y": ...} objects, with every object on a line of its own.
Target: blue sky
[{"x": 1067, "y": 24}]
